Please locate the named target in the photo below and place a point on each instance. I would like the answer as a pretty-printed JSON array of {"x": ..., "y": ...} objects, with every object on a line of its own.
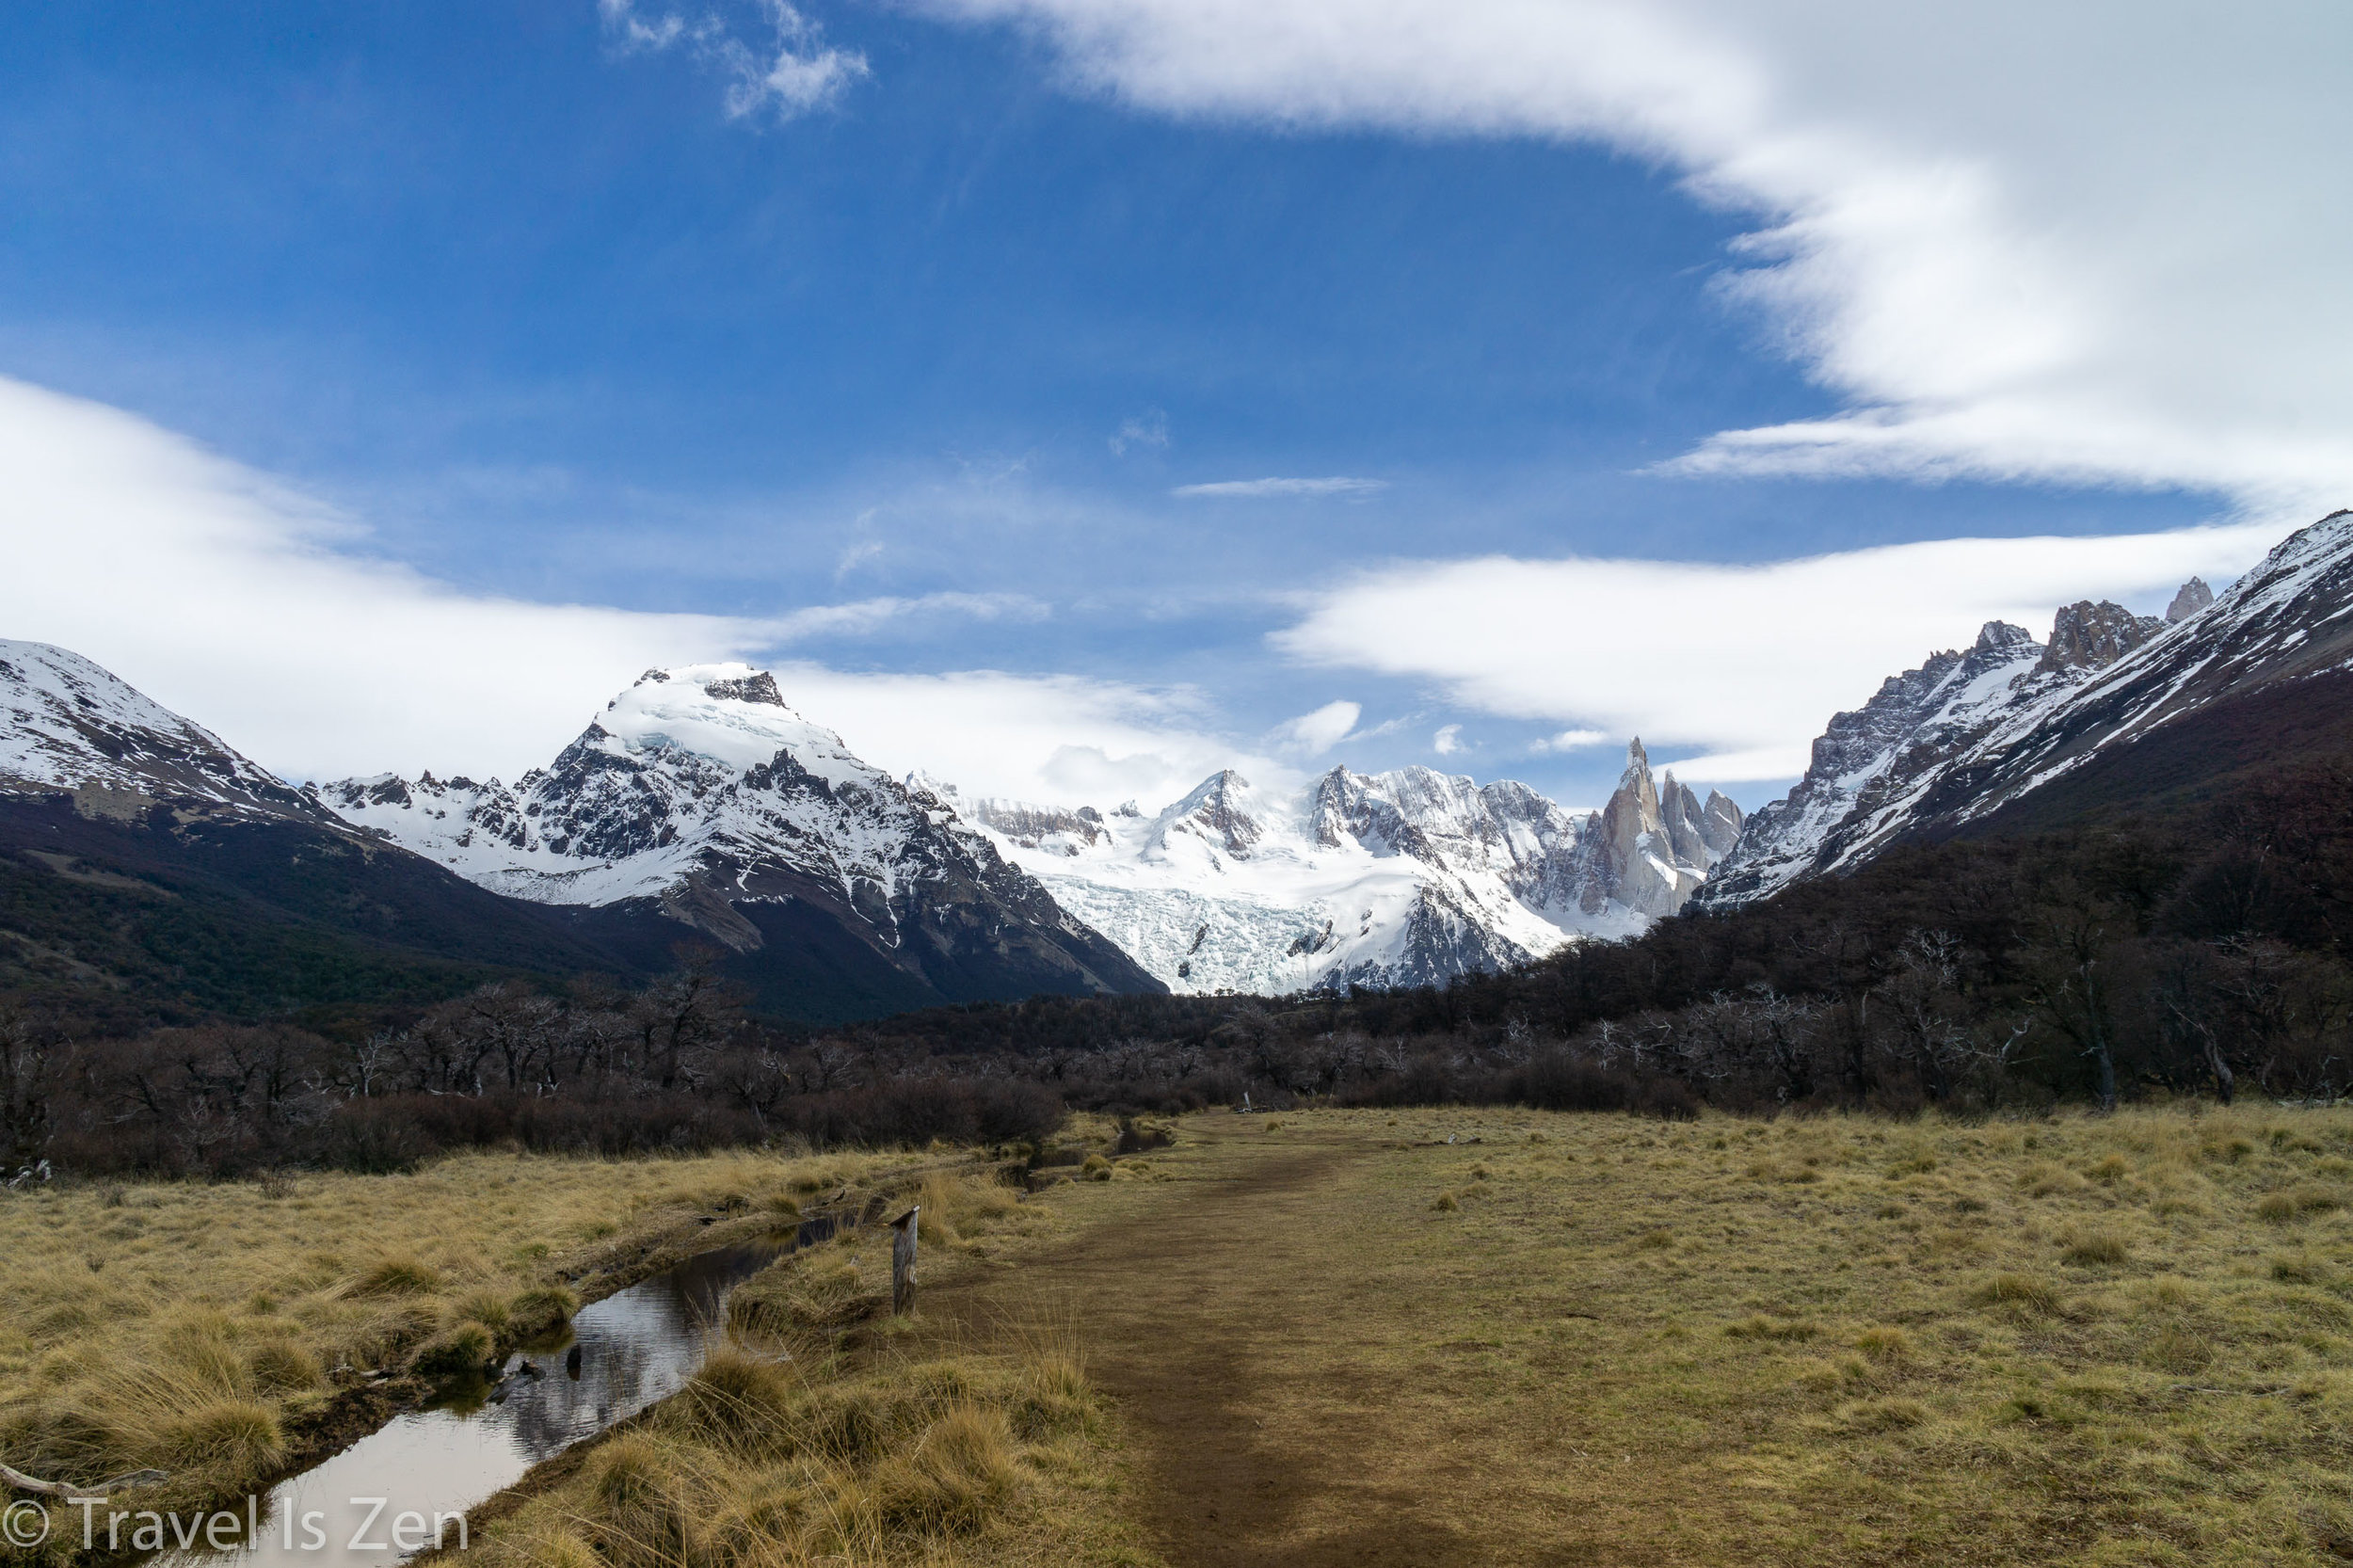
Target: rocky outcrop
[
  {"x": 2089, "y": 636},
  {"x": 1067, "y": 833}
]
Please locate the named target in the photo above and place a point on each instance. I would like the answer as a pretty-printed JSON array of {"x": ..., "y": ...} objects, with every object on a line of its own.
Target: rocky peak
[
  {"x": 2194, "y": 597},
  {"x": 1720, "y": 822},
  {"x": 2089, "y": 636},
  {"x": 1679, "y": 812},
  {"x": 1653, "y": 846},
  {"x": 1215, "y": 812},
  {"x": 700, "y": 796},
  {"x": 2001, "y": 637}
]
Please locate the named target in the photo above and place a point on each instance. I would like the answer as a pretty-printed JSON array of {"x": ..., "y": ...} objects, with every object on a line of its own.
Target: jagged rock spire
[{"x": 2194, "y": 597}]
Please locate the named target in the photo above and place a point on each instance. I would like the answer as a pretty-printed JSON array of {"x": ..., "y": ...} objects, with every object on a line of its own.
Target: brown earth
[{"x": 1214, "y": 1307}]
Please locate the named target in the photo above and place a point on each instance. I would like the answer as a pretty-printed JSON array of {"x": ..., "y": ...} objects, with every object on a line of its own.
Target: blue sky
[{"x": 546, "y": 322}]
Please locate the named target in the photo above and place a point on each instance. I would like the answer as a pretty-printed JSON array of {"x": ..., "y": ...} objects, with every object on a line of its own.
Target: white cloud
[
  {"x": 1313, "y": 734},
  {"x": 1254, "y": 490},
  {"x": 1671, "y": 652},
  {"x": 1061, "y": 740},
  {"x": 252, "y": 610},
  {"x": 1150, "y": 430},
  {"x": 864, "y": 617},
  {"x": 2085, "y": 243},
  {"x": 623, "y": 24},
  {"x": 1570, "y": 740},
  {"x": 1447, "y": 741},
  {"x": 790, "y": 75}
]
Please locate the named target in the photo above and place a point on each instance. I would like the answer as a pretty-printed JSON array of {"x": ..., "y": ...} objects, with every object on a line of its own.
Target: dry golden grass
[
  {"x": 1578, "y": 1339},
  {"x": 976, "y": 1458},
  {"x": 1818, "y": 1341},
  {"x": 824, "y": 1432},
  {"x": 185, "y": 1326}
]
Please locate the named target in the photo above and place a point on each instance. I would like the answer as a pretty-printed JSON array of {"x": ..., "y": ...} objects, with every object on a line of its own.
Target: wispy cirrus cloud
[
  {"x": 2015, "y": 242},
  {"x": 1569, "y": 739},
  {"x": 865, "y": 617},
  {"x": 1150, "y": 430},
  {"x": 1255, "y": 489},
  {"x": 789, "y": 73},
  {"x": 1313, "y": 734}
]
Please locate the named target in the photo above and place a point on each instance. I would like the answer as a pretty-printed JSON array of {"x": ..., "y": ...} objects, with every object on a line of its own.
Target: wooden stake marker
[{"x": 903, "y": 1262}]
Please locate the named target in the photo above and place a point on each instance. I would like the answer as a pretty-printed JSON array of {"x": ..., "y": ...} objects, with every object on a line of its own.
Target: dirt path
[{"x": 1207, "y": 1306}]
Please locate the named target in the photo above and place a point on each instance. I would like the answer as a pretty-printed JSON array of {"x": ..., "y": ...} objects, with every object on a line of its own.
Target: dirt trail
[{"x": 1188, "y": 1297}]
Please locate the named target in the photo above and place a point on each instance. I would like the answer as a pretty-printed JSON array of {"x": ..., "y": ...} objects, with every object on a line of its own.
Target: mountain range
[
  {"x": 1410, "y": 877},
  {"x": 142, "y": 859},
  {"x": 700, "y": 795},
  {"x": 146, "y": 865}
]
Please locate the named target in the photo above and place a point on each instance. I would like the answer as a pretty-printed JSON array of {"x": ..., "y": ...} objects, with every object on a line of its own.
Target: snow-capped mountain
[
  {"x": 146, "y": 865},
  {"x": 1409, "y": 877},
  {"x": 69, "y": 727},
  {"x": 1969, "y": 734},
  {"x": 700, "y": 792}
]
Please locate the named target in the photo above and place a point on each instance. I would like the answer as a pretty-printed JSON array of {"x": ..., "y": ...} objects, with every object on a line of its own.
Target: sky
[{"x": 1068, "y": 398}]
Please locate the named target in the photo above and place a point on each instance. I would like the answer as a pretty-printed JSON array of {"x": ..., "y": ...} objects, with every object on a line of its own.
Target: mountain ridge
[{"x": 1968, "y": 739}]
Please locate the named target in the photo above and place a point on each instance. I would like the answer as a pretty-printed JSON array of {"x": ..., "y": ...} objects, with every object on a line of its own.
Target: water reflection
[{"x": 375, "y": 1502}]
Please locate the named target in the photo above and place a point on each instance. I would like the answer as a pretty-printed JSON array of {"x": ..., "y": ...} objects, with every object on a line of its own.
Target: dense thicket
[
  {"x": 675, "y": 1067},
  {"x": 2204, "y": 953}
]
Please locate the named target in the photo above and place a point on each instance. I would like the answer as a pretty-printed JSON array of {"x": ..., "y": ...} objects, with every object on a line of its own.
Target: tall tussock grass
[
  {"x": 195, "y": 1328},
  {"x": 759, "y": 1464}
]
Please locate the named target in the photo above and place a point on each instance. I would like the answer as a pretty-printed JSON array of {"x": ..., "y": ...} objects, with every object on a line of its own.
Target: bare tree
[
  {"x": 28, "y": 1073},
  {"x": 1921, "y": 992}
]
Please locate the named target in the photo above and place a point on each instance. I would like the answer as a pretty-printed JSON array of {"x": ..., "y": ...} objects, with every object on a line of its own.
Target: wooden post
[{"x": 903, "y": 1262}]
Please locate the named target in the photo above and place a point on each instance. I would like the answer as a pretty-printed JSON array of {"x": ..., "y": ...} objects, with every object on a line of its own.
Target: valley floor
[{"x": 1339, "y": 1337}]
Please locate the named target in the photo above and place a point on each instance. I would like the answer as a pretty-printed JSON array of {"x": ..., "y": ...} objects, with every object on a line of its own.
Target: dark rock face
[
  {"x": 1443, "y": 941},
  {"x": 2094, "y": 636},
  {"x": 758, "y": 688}
]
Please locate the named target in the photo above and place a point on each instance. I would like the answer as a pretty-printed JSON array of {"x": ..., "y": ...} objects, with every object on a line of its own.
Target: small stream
[{"x": 636, "y": 1348}]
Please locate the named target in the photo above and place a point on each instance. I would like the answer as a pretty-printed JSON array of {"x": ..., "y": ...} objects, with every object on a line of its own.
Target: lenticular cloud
[{"x": 1671, "y": 651}]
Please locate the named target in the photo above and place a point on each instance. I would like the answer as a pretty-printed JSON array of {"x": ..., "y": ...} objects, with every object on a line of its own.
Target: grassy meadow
[
  {"x": 1317, "y": 1337},
  {"x": 1810, "y": 1341}
]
